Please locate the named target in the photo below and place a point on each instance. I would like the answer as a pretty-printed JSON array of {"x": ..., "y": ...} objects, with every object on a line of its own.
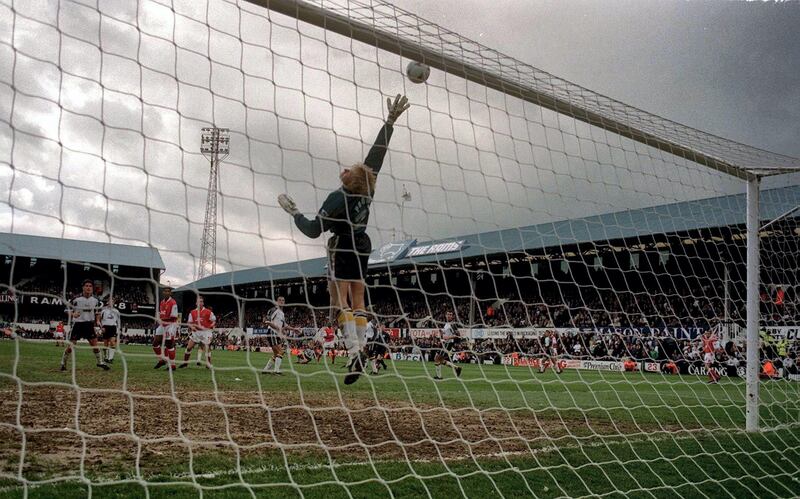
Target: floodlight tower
[
  {"x": 215, "y": 145},
  {"x": 406, "y": 197}
]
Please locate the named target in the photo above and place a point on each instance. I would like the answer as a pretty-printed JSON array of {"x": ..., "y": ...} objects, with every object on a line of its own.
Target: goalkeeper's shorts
[{"x": 348, "y": 256}]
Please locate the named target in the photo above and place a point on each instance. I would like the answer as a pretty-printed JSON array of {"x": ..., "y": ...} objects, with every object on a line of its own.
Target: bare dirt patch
[{"x": 109, "y": 431}]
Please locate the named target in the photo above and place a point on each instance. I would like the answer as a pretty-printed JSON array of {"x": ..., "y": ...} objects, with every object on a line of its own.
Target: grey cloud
[{"x": 473, "y": 159}]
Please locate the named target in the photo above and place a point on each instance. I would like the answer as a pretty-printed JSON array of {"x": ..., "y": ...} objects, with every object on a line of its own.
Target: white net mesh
[{"x": 564, "y": 230}]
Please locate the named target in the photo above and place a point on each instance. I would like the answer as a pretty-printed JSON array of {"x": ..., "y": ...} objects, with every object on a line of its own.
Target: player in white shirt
[
  {"x": 201, "y": 322},
  {"x": 110, "y": 324},
  {"x": 276, "y": 336},
  {"x": 376, "y": 345},
  {"x": 84, "y": 310},
  {"x": 450, "y": 338}
]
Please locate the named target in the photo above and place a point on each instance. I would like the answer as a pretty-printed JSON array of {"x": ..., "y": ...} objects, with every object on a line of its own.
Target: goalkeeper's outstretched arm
[{"x": 335, "y": 206}]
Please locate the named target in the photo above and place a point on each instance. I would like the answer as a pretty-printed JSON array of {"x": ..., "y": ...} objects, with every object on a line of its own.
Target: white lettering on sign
[{"x": 432, "y": 249}]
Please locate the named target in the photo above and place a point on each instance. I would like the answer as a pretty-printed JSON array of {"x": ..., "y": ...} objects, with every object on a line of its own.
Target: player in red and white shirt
[
  {"x": 328, "y": 340},
  {"x": 167, "y": 331},
  {"x": 58, "y": 334},
  {"x": 201, "y": 322},
  {"x": 710, "y": 345},
  {"x": 551, "y": 352}
]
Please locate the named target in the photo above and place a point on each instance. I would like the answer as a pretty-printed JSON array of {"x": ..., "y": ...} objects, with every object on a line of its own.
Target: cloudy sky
[{"x": 100, "y": 123}]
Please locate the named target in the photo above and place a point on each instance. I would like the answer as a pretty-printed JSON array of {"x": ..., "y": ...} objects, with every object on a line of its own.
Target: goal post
[
  {"x": 548, "y": 268},
  {"x": 402, "y": 33},
  {"x": 753, "y": 313}
]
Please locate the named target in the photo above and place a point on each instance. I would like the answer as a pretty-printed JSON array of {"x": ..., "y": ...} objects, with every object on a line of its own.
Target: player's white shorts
[
  {"x": 328, "y": 345},
  {"x": 708, "y": 358},
  {"x": 170, "y": 331},
  {"x": 201, "y": 336},
  {"x": 58, "y": 336}
]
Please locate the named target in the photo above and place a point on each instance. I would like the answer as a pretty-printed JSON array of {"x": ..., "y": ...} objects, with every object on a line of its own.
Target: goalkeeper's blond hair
[{"x": 361, "y": 180}]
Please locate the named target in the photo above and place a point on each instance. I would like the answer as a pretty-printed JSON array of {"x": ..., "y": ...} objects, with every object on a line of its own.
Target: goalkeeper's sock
[
  {"x": 110, "y": 353},
  {"x": 348, "y": 324},
  {"x": 269, "y": 365},
  {"x": 438, "y": 370},
  {"x": 360, "y": 316},
  {"x": 278, "y": 364},
  {"x": 64, "y": 357},
  {"x": 98, "y": 355}
]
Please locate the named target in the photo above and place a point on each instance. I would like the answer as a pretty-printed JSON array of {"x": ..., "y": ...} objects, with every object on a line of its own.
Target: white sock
[
  {"x": 374, "y": 365},
  {"x": 99, "y": 356},
  {"x": 349, "y": 332},
  {"x": 360, "y": 317},
  {"x": 110, "y": 353},
  {"x": 269, "y": 365},
  {"x": 278, "y": 364},
  {"x": 438, "y": 370},
  {"x": 199, "y": 355}
]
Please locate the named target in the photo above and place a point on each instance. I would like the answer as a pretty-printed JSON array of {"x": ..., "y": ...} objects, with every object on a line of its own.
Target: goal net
[{"x": 557, "y": 282}]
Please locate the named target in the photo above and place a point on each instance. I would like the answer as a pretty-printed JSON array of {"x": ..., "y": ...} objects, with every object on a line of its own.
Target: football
[{"x": 417, "y": 72}]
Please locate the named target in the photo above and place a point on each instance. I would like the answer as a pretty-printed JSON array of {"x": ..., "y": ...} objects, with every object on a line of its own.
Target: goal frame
[{"x": 754, "y": 164}]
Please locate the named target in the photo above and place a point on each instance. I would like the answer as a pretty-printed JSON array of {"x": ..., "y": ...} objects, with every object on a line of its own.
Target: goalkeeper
[{"x": 345, "y": 213}]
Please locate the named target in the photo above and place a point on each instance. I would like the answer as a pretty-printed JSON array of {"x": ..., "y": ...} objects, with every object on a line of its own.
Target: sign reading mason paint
[
  {"x": 434, "y": 249},
  {"x": 390, "y": 252}
]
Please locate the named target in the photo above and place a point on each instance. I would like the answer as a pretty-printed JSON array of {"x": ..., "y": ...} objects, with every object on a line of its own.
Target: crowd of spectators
[
  {"x": 128, "y": 291},
  {"x": 579, "y": 345},
  {"x": 646, "y": 316},
  {"x": 559, "y": 307}
]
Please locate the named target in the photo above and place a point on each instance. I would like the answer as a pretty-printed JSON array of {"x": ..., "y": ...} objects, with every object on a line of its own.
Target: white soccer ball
[{"x": 417, "y": 72}]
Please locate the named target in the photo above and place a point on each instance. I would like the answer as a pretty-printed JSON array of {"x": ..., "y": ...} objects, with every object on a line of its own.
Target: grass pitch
[{"x": 496, "y": 431}]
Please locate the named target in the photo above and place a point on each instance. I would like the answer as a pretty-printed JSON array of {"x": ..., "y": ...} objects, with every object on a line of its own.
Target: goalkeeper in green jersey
[{"x": 345, "y": 213}]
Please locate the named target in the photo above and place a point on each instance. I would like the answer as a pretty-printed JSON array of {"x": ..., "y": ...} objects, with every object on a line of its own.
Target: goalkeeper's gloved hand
[
  {"x": 397, "y": 108},
  {"x": 288, "y": 205}
]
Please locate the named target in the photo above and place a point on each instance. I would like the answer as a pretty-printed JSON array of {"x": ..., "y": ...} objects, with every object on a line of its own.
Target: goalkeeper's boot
[
  {"x": 63, "y": 367},
  {"x": 458, "y": 371},
  {"x": 103, "y": 366},
  {"x": 357, "y": 364}
]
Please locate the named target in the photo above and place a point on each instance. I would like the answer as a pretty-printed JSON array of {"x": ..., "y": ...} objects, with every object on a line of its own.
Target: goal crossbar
[{"x": 541, "y": 88}]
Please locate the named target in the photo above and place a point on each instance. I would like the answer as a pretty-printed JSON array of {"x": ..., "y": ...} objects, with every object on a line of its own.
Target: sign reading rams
[
  {"x": 390, "y": 252},
  {"x": 433, "y": 249}
]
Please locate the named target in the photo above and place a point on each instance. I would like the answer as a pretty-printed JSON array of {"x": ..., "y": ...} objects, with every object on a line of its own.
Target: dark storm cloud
[
  {"x": 299, "y": 107},
  {"x": 729, "y": 68}
]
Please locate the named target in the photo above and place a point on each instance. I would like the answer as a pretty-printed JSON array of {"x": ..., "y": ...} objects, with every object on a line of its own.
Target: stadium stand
[{"x": 39, "y": 274}]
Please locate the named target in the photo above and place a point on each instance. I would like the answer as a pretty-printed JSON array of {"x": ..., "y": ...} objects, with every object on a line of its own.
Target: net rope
[{"x": 569, "y": 227}]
